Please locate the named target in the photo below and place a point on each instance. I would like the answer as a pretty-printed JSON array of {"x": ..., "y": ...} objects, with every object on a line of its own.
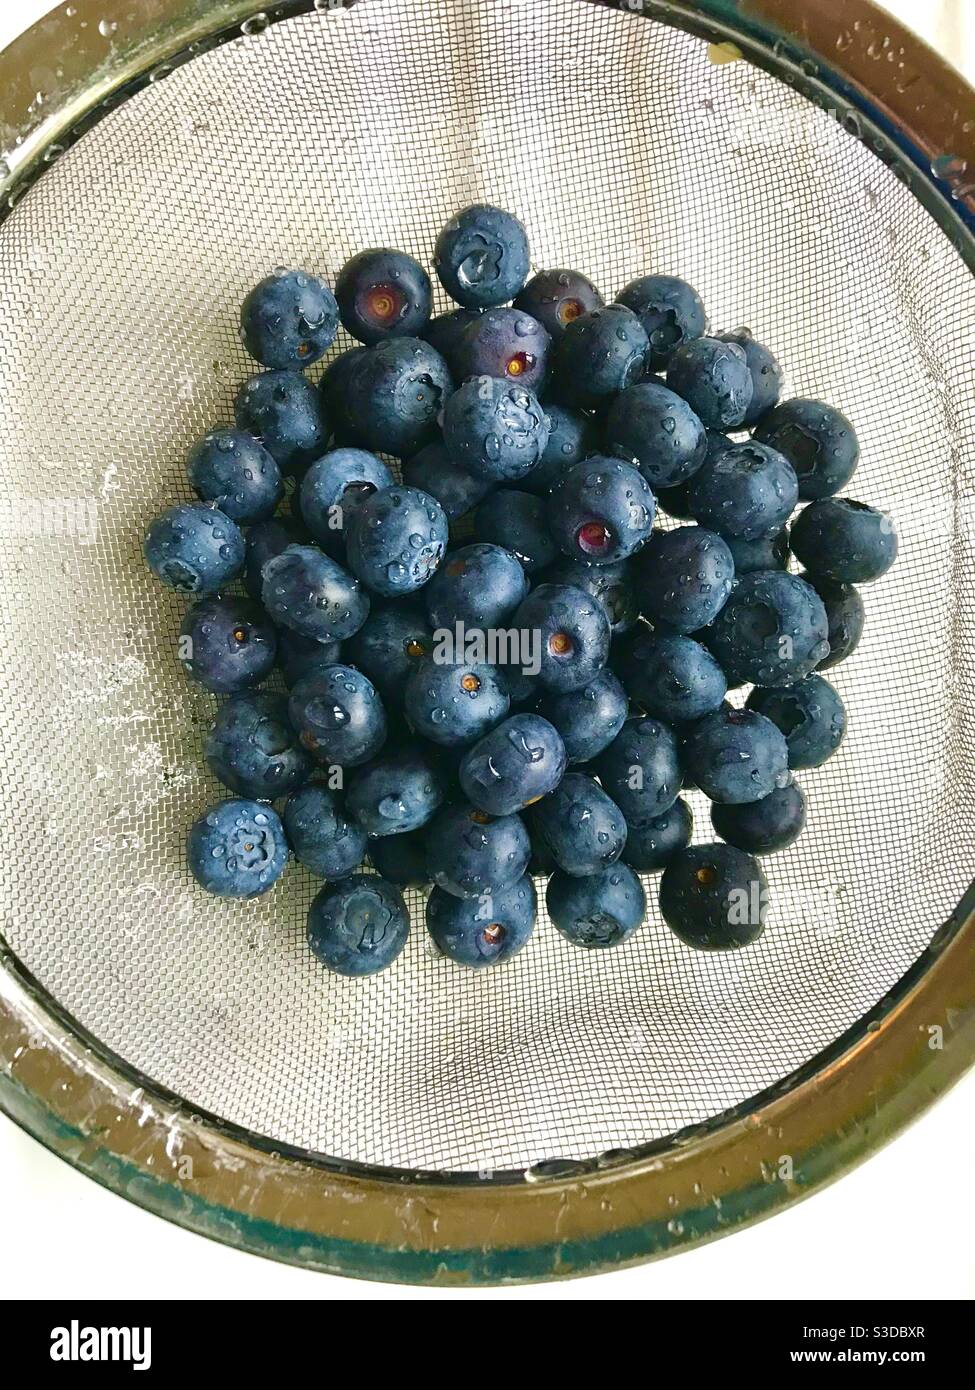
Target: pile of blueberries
[{"x": 497, "y": 668}]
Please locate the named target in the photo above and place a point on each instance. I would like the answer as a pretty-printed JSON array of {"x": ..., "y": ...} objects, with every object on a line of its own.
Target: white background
[{"x": 901, "y": 1226}]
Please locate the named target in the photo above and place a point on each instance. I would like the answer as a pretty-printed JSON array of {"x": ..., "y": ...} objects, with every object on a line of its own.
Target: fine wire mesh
[{"x": 624, "y": 150}]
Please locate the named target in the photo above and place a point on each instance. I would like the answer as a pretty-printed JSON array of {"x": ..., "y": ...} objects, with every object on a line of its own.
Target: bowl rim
[{"x": 561, "y": 1218}]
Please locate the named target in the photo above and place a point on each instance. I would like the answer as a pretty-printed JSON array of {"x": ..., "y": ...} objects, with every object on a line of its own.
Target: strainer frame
[{"x": 121, "y": 1128}]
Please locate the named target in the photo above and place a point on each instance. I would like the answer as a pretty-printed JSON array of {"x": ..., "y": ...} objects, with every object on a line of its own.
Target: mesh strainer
[{"x": 569, "y": 1111}]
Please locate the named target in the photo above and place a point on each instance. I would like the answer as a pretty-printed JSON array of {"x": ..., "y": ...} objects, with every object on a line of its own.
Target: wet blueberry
[
  {"x": 557, "y": 298},
  {"x": 517, "y": 763},
  {"x": 383, "y": 294},
  {"x": 399, "y": 791},
  {"x": 306, "y": 590},
  {"x": 504, "y": 343},
  {"x": 818, "y": 441},
  {"x": 264, "y": 540},
  {"x": 767, "y": 553},
  {"x": 478, "y": 585},
  {"x": 670, "y": 311},
  {"x": 445, "y": 331},
  {"x": 493, "y": 429},
  {"x": 286, "y": 412},
  {"x": 737, "y": 755},
  {"x": 610, "y": 584},
  {"x": 598, "y": 355},
  {"x": 389, "y": 647},
  {"x": 432, "y": 470},
  {"x": 481, "y": 256},
  {"x": 588, "y": 719},
  {"x": 652, "y": 426},
  {"x": 641, "y": 770},
  {"x": 482, "y": 931},
  {"x": 766, "y": 375},
  {"x": 844, "y": 614},
  {"x": 764, "y": 826},
  {"x": 684, "y": 577},
  {"x": 339, "y": 716},
  {"x": 334, "y": 486},
  {"x": 772, "y": 631},
  {"x": 395, "y": 393},
  {"x": 673, "y": 678},
  {"x": 227, "y": 644},
  {"x": 455, "y": 704},
  {"x": 395, "y": 539},
  {"x": 194, "y": 549},
  {"x": 651, "y": 846},
  {"x": 470, "y": 853},
  {"x": 569, "y": 634},
  {"x": 713, "y": 377},
  {"x": 333, "y": 389},
  {"x": 237, "y": 849},
  {"x": 253, "y": 747},
  {"x": 582, "y": 827},
  {"x": 810, "y": 714},
  {"x": 846, "y": 541},
  {"x": 714, "y": 897},
  {"x": 572, "y": 437},
  {"x": 234, "y": 471},
  {"x": 358, "y": 926},
  {"x": 747, "y": 490},
  {"x": 599, "y": 910},
  {"x": 518, "y": 522},
  {"x": 323, "y": 837},
  {"x": 289, "y": 320},
  {"x": 601, "y": 511}
]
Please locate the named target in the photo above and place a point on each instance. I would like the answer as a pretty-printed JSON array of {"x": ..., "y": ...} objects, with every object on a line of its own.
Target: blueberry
[
  {"x": 194, "y": 549},
  {"x": 324, "y": 838},
  {"x": 339, "y": 716},
  {"x": 254, "y": 749},
  {"x": 810, "y": 714},
  {"x": 583, "y": 828},
  {"x": 289, "y": 320},
  {"x": 237, "y": 849},
  {"x": 227, "y": 644},
  {"x": 651, "y": 846},
  {"x": 844, "y": 614},
  {"x": 308, "y": 591},
  {"x": 504, "y": 343},
  {"x": 455, "y": 704},
  {"x": 684, "y": 577},
  {"x": 599, "y": 354},
  {"x": 611, "y": 585},
  {"x": 714, "y": 379},
  {"x": 557, "y": 298},
  {"x": 486, "y": 930},
  {"x": 747, "y": 490},
  {"x": 670, "y": 311},
  {"x": 640, "y": 770},
  {"x": 766, "y": 375},
  {"x": 588, "y": 719},
  {"x": 714, "y": 897},
  {"x": 479, "y": 586},
  {"x": 772, "y": 631},
  {"x": 601, "y": 511},
  {"x": 300, "y": 656},
  {"x": 397, "y": 792},
  {"x": 517, "y": 763},
  {"x": 652, "y": 426},
  {"x": 597, "y": 911},
  {"x": 286, "y": 412},
  {"x": 264, "y": 540},
  {"x": 333, "y": 388},
  {"x": 471, "y": 854},
  {"x": 570, "y": 631},
  {"x": 673, "y": 678},
  {"x": 432, "y": 470},
  {"x": 359, "y": 926},
  {"x": 445, "y": 333},
  {"x": 737, "y": 755},
  {"x": 572, "y": 437},
  {"x": 767, "y": 553},
  {"x": 764, "y": 826},
  {"x": 401, "y": 858},
  {"x": 334, "y": 486},
  {"x": 518, "y": 522},
  {"x": 383, "y": 294},
  {"x": 390, "y": 646},
  {"x": 235, "y": 472},
  {"x": 494, "y": 429},
  {"x": 818, "y": 441},
  {"x": 395, "y": 539},
  {"x": 481, "y": 256},
  {"x": 396, "y": 391},
  {"x": 845, "y": 541}
]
